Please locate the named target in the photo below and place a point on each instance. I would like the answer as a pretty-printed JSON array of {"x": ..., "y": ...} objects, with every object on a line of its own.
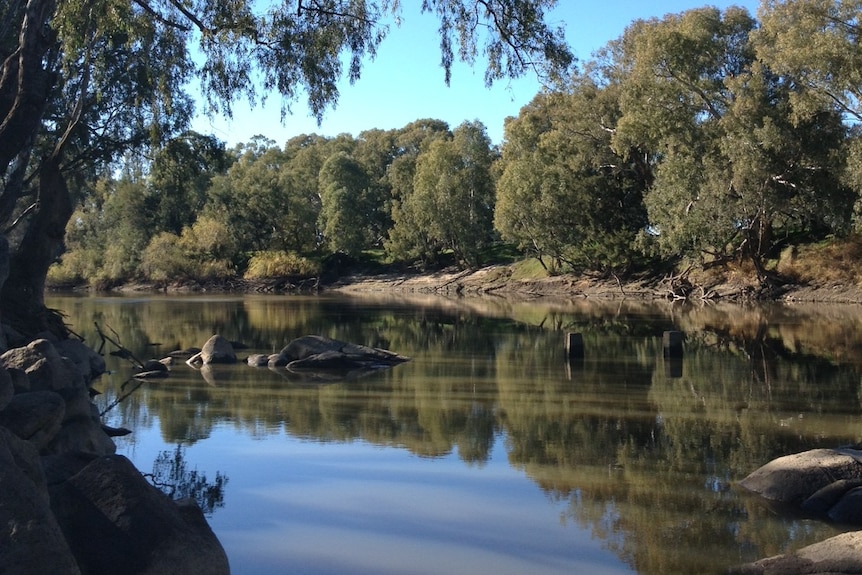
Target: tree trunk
[{"x": 22, "y": 304}]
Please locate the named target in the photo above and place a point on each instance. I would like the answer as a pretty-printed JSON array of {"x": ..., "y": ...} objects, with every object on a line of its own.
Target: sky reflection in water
[
  {"x": 485, "y": 454},
  {"x": 301, "y": 506}
]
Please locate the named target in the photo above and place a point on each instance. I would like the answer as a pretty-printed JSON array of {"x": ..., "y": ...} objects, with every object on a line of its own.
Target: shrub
[
  {"x": 271, "y": 264},
  {"x": 165, "y": 260}
]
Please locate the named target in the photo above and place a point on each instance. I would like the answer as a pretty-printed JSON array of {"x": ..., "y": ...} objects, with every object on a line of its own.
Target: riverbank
[{"x": 501, "y": 280}]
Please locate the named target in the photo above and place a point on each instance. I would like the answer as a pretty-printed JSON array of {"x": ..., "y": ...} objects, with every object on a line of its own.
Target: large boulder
[
  {"x": 46, "y": 369},
  {"x": 4, "y": 274},
  {"x": 67, "y": 504},
  {"x": 89, "y": 364},
  {"x": 31, "y": 541},
  {"x": 116, "y": 522},
  {"x": 7, "y": 388},
  {"x": 35, "y": 416},
  {"x": 217, "y": 349},
  {"x": 837, "y": 555},
  {"x": 315, "y": 352},
  {"x": 793, "y": 479},
  {"x": 822, "y": 483}
]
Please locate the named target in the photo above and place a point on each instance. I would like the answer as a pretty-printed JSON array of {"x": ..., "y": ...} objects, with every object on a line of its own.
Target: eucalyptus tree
[
  {"x": 179, "y": 179},
  {"x": 259, "y": 201},
  {"x": 453, "y": 196},
  {"x": 818, "y": 43},
  {"x": 735, "y": 168},
  {"x": 78, "y": 70},
  {"x": 349, "y": 206},
  {"x": 564, "y": 194},
  {"x": 407, "y": 239},
  {"x": 376, "y": 150}
]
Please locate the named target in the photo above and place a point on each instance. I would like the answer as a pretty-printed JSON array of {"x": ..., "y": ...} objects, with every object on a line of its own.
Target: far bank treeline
[{"x": 702, "y": 137}]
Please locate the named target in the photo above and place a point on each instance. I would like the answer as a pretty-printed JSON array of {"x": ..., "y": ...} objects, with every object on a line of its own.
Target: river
[{"x": 490, "y": 451}]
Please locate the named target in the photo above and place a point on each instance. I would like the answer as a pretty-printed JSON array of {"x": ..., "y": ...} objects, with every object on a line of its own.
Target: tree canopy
[{"x": 84, "y": 81}]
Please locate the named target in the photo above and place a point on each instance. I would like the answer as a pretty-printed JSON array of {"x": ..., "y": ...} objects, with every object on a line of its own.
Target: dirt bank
[{"x": 498, "y": 280}]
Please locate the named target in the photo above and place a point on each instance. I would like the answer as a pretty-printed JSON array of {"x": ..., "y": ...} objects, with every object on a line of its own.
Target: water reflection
[{"x": 642, "y": 451}]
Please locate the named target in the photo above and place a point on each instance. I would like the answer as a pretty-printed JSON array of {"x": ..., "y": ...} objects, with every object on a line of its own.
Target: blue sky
[{"x": 405, "y": 81}]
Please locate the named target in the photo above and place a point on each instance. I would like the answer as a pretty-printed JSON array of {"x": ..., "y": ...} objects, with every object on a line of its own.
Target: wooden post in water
[
  {"x": 574, "y": 346},
  {"x": 672, "y": 344},
  {"x": 574, "y": 354}
]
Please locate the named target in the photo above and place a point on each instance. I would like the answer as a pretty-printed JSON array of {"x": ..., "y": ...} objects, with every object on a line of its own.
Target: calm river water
[{"x": 488, "y": 452}]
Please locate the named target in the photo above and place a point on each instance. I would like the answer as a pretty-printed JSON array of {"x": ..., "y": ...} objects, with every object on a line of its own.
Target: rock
[
  {"x": 826, "y": 483},
  {"x": 78, "y": 403},
  {"x": 60, "y": 467},
  {"x": 4, "y": 273},
  {"x": 33, "y": 542},
  {"x": 89, "y": 364},
  {"x": 848, "y": 509},
  {"x": 82, "y": 435},
  {"x": 116, "y": 522},
  {"x": 825, "y": 498},
  {"x": 7, "y": 388},
  {"x": 277, "y": 360},
  {"x": 155, "y": 374},
  {"x": 188, "y": 352},
  {"x": 217, "y": 350},
  {"x": 116, "y": 431},
  {"x": 835, "y": 556},
  {"x": 154, "y": 365},
  {"x": 45, "y": 368},
  {"x": 35, "y": 416},
  {"x": 328, "y": 360},
  {"x": 257, "y": 360},
  {"x": 792, "y": 479},
  {"x": 318, "y": 352},
  {"x": 20, "y": 381},
  {"x": 311, "y": 345}
]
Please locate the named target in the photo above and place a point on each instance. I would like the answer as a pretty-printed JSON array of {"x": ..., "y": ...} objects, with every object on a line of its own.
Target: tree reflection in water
[
  {"x": 172, "y": 476},
  {"x": 643, "y": 457}
]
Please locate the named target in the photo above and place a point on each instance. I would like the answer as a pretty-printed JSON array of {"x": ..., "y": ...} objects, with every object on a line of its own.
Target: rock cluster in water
[
  {"x": 68, "y": 503},
  {"x": 820, "y": 483},
  {"x": 309, "y": 357}
]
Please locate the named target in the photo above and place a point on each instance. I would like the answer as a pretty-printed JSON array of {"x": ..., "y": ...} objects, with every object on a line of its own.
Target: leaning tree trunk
[
  {"x": 22, "y": 303},
  {"x": 26, "y": 82}
]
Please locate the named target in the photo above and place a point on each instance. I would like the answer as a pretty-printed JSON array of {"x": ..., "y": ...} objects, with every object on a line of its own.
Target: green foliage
[
  {"x": 267, "y": 200},
  {"x": 564, "y": 194},
  {"x": 407, "y": 239},
  {"x": 453, "y": 196},
  {"x": 275, "y": 264},
  {"x": 817, "y": 43},
  {"x": 349, "y": 208},
  {"x": 733, "y": 168},
  {"x": 179, "y": 179},
  {"x": 697, "y": 136},
  {"x": 164, "y": 259}
]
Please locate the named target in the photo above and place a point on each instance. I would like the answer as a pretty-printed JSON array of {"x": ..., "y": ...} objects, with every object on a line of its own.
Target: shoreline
[{"x": 498, "y": 280}]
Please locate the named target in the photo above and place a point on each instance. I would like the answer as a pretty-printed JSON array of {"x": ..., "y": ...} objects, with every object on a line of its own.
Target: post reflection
[{"x": 643, "y": 450}]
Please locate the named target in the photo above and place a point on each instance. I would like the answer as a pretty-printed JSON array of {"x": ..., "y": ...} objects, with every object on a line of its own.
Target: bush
[
  {"x": 165, "y": 260},
  {"x": 75, "y": 267},
  {"x": 273, "y": 264}
]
